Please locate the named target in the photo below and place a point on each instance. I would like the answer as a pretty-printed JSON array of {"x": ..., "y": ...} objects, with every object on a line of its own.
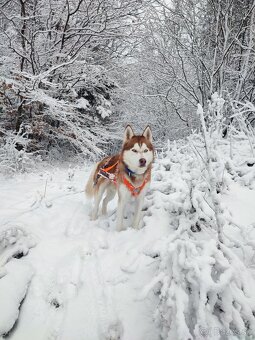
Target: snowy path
[{"x": 87, "y": 277}]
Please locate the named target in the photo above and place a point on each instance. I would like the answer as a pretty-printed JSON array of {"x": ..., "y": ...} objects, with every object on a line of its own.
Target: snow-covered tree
[{"x": 55, "y": 83}]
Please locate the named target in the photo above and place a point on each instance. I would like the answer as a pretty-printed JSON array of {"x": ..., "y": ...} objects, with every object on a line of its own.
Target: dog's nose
[{"x": 142, "y": 161}]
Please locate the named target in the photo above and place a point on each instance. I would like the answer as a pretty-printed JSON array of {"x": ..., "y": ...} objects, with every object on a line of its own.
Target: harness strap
[
  {"x": 110, "y": 176},
  {"x": 135, "y": 191},
  {"x": 111, "y": 166},
  {"x": 103, "y": 172}
]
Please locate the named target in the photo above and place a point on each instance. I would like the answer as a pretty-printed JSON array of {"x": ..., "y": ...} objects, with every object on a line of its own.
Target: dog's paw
[
  {"x": 119, "y": 227},
  {"x": 104, "y": 211},
  {"x": 136, "y": 227},
  {"x": 93, "y": 217}
]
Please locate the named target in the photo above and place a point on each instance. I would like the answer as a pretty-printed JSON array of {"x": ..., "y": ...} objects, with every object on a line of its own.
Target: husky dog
[{"x": 128, "y": 173}]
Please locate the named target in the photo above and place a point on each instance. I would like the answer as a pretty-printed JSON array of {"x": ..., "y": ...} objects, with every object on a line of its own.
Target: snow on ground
[
  {"x": 241, "y": 204},
  {"x": 65, "y": 277},
  {"x": 87, "y": 277}
]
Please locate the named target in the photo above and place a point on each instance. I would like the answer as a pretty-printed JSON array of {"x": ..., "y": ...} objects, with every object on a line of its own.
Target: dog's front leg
[
  {"x": 122, "y": 201},
  {"x": 138, "y": 210}
]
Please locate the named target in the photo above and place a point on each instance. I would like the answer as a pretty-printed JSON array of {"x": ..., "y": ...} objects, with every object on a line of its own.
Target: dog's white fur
[{"x": 130, "y": 157}]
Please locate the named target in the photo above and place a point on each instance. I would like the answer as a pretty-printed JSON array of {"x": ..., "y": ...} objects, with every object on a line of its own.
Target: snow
[
  {"x": 103, "y": 111},
  {"x": 65, "y": 277},
  {"x": 241, "y": 203},
  {"x": 13, "y": 288},
  {"x": 87, "y": 277},
  {"x": 83, "y": 103}
]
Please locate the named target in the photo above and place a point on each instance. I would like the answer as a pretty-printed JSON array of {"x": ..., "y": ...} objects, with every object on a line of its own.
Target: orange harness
[
  {"x": 135, "y": 191},
  {"x": 104, "y": 172}
]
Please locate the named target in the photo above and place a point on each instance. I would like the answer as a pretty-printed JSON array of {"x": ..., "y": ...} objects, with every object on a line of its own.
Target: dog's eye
[
  {"x": 134, "y": 150},
  {"x": 146, "y": 150}
]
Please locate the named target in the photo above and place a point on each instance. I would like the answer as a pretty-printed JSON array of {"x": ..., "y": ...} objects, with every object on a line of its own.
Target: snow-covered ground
[
  {"x": 87, "y": 277},
  {"x": 65, "y": 277}
]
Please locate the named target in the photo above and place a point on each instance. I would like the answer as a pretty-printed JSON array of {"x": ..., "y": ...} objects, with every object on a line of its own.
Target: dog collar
[{"x": 128, "y": 171}]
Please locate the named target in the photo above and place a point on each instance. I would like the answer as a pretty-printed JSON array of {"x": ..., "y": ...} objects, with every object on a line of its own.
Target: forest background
[{"x": 73, "y": 73}]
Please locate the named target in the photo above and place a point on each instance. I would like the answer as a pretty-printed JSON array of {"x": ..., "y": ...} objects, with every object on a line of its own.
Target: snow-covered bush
[
  {"x": 60, "y": 119},
  {"x": 14, "y": 242},
  {"x": 243, "y": 119},
  {"x": 204, "y": 291},
  {"x": 15, "y": 275},
  {"x": 14, "y": 156},
  {"x": 203, "y": 282}
]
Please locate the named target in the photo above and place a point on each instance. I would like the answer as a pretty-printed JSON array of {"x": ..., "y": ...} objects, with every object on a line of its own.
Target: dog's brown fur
[{"x": 93, "y": 183}]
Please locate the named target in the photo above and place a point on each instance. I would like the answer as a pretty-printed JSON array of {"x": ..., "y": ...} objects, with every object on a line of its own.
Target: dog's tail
[{"x": 90, "y": 188}]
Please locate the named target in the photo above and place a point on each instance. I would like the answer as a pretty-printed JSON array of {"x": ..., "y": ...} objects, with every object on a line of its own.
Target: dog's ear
[
  {"x": 147, "y": 133},
  {"x": 128, "y": 134}
]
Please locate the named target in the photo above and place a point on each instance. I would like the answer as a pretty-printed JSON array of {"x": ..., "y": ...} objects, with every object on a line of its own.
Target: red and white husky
[{"x": 128, "y": 173}]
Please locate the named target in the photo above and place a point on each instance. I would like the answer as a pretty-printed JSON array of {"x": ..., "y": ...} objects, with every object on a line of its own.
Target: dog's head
[{"x": 137, "y": 150}]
